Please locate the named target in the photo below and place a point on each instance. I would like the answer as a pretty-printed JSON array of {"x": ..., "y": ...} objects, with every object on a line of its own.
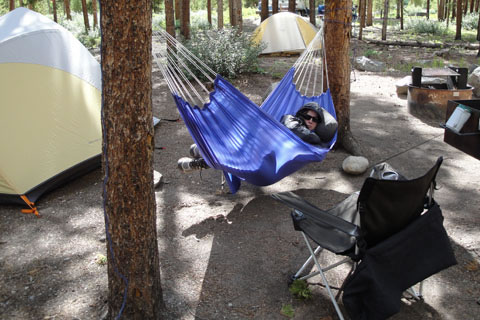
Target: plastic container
[{"x": 458, "y": 118}]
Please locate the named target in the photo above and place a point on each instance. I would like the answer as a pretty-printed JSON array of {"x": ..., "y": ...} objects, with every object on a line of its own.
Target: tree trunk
[
  {"x": 362, "y": 18},
  {"x": 237, "y": 13},
  {"x": 220, "y": 14},
  {"x": 85, "y": 15},
  {"x": 94, "y": 12},
  {"x": 398, "y": 8},
  {"x": 472, "y": 4},
  {"x": 458, "y": 34},
  {"x": 370, "y": 13},
  {"x": 440, "y": 10},
  {"x": 12, "y": 5},
  {"x": 130, "y": 213},
  {"x": 478, "y": 36},
  {"x": 209, "y": 12},
  {"x": 291, "y": 6},
  {"x": 428, "y": 9},
  {"x": 364, "y": 10},
  {"x": 465, "y": 7},
  {"x": 385, "y": 21},
  {"x": 68, "y": 13},
  {"x": 401, "y": 15},
  {"x": 178, "y": 10},
  {"x": 185, "y": 24},
  {"x": 274, "y": 6},
  {"x": 54, "y": 7},
  {"x": 338, "y": 19},
  {"x": 170, "y": 17},
  {"x": 311, "y": 5},
  {"x": 230, "y": 12},
  {"x": 264, "y": 10},
  {"x": 477, "y": 2}
]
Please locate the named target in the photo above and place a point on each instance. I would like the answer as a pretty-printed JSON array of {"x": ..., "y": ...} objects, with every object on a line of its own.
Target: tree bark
[
  {"x": 54, "y": 7},
  {"x": 220, "y": 14},
  {"x": 274, "y": 6},
  {"x": 362, "y": 4},
  {"x": 263, "y": 10},
  {"x": 338, "y": 20},
  {"x": 12, "y": 5},
  {"x": 385, "y": 21},
  {"x": 67, "y": 9},
  {"x": 398, "y": 8},
  {"x": 370, "y": 13},
  {"x": 178, "y": 10},
  {"x": 428, "y": 9},
  {"x": 185, "y": 24},
  {"x": 94, "y": 13},
  {"x": 401, "y": 15},
  {"x": 291, "y": 6},
  {"x": 458, "y": 34},
  {"x": 311, "y": 5},
  {"x": 237, "y": 12},
  {"x": 209, "y": 12},
  {"x": 85, "y": 15},
  {"x": 130, "y": 213},
  {"x": 440, "y": 10},
  {"x": 170, "y": 17}
]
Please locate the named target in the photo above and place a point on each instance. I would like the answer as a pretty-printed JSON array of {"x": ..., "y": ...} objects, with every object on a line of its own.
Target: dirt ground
[{"x": 227, "y": 256}]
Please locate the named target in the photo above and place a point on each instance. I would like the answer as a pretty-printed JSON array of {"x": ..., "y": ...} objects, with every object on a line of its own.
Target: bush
[
  {"x": 470, "y": 21},
  {"x": 77, "y": 27},
  {"x": 426, "y": 26},
  {"x": 226, "y": 51}
]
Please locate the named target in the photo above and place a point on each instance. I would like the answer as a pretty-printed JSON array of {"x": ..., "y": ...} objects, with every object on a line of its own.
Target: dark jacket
[{"x": 324, "y": 132}]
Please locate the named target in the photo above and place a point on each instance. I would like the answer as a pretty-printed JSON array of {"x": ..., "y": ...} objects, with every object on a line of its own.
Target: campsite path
[{"x": 229, "y": 256}]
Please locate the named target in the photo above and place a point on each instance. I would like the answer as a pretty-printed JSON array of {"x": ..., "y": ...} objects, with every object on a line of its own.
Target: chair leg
[{"x": 324, "y": 279}]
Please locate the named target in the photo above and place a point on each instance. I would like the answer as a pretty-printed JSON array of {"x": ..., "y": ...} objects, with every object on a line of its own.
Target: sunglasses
[{"x": 309, "y": 117}]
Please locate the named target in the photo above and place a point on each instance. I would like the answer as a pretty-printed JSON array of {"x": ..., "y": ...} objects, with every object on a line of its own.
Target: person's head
[{"x": 310, "y": 115}]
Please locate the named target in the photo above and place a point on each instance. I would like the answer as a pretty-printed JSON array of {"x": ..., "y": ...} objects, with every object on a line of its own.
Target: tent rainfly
[
  {"x": 284, "y": 32},
  {"x": 50, "y": 89}
]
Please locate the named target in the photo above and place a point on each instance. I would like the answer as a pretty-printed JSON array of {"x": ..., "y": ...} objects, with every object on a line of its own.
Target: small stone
[{"x": 355, "y": 165}]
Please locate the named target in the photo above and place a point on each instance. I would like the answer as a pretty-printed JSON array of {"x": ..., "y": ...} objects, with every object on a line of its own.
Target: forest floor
[{"x": 227, "y": 256}]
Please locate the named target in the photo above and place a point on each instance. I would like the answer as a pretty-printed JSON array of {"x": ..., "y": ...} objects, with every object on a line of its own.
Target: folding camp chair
[{"x": 392, "y": 231}]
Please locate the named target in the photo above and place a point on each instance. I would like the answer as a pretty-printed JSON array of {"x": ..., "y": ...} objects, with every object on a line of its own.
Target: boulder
[
  {"x": 365, "y": 64},
  {"x": 474, "y": 81},
  {"x": 355, "y": 165},
  {"x": 402, "y": 85}
]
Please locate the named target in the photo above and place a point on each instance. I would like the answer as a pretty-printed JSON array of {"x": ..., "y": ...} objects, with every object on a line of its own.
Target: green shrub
[
  {"x": 77, "y": 27},
  {"x": 226, "y": 51},
  {"x": 371, "y": 53},
  {"x": 426, "y": 26},
  {"x": 300, "y": 290},
  {"x": 470, "y": 21}
]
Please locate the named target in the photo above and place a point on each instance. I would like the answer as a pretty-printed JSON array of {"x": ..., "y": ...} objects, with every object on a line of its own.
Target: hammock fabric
[{"x": 247, "y": 142}]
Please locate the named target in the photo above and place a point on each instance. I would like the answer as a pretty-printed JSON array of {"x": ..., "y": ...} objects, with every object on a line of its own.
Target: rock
[
  {"x": 157, "y": 178},
  {"x": 402, "y": 85},
  {"x": 472, "y": 68},
  {"x": 355, "y": 165},
  {"x": 365, "y": 64},
  {"x": 474, "y": 81}
]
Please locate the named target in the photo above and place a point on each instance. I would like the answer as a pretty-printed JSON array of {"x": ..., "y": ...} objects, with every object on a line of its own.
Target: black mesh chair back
[{"x": 388, "y": 206}]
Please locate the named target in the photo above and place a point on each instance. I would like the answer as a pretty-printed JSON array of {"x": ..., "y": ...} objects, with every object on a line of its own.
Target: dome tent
[
  {"x": 284, "y": 32},
  {"x": 50, "y": 85}
]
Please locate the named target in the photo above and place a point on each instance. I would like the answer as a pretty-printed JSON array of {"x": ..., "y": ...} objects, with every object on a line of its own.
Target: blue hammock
[{"x": 247, "y": 142}]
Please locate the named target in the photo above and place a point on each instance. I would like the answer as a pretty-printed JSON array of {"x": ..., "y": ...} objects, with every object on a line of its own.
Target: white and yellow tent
[
  {"x": 50, "y": 89},
  {"x": 284, "y": 32}
]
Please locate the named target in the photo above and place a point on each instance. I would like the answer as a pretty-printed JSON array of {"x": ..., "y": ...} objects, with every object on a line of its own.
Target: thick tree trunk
[
  {"x": 458, "y": 34},
  {"x": 170, "y": 17},
  {"x": 338, "y": 20},
  {"x": 209, "y": 12},
  {"x": 68, "y": 13},
  {"x": 291, "y": 6},
  {"x": 185, "y": 24},
  {"x": 54, "y": 7},
  {"x": 12, "y": 5},
  {"x": 264, "y": 10},
  {"x": 220, "y": 14},
  {"x": 85, "y": 15},
  {"x": 370, "y": 13},
  {"x": 130, "y": 213},
  {"x": 274, "y": 6},
  {"x": 94, "y": 12},
  {"x": 385, "y": 21},
  {"x": 178, "y": 10},
  {"x": 237, "y": 13},
  {"x": 440, "y": 10}
]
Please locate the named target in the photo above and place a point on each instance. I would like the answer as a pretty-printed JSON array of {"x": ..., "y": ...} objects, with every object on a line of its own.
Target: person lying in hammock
[{"x": 312, "y": 123}]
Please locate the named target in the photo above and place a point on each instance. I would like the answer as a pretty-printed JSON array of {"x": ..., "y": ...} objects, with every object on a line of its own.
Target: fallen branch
[{"x": 468, "y": 46}]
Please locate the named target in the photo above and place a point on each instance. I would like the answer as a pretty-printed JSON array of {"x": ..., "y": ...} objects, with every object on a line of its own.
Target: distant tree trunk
[
  {"x": 237, "y": 14},
  {"x": 363, "y": 12},
  {"x": 440, "y": 10},
  {"x": 170, "y": 17},
  {"x": 264, "y": 10},
  {"x": 128, "y": 145},
  {"x": 398, "y": 8},
  {"x": 67, "y": 9},
  {"x": 361, "y": 6},
  {"x": 230, "y": 11},
  {"x": 54, "y": 7},
  {"x": 472, "y": 4},
  {"x": 458, "y": 34},
  {"x": 185, "y": 22},
  {"x": 477, "y": 3},
  {"x": 338, "y": 19},
  {"x": 220, "y": 14},
  {"x": 178, "y": 10},
  {"x": 311, "y": 5},
  {"x": 274, "y": 6},
  {"x": 385, "y": 21},
  {"x": 465, "y": 7},
  {"x": 428, "y": 9},
  {"x": 370, "y": 13},
  {"x": 85, "y": 15},
  {"x": 401, "y": 15},
  {"x": 478, "y": 36},
  {"x": 94, "y": 13},
  {"x": 12, "y": 5},
  {"x": 291, "y": 6},
  {"x": 449, "y": 5},
  {"x": 209, "y": 12}
]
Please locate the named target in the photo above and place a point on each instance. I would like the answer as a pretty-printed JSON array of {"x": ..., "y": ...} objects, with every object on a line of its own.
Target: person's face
[{"x": 312, "y": 122}]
